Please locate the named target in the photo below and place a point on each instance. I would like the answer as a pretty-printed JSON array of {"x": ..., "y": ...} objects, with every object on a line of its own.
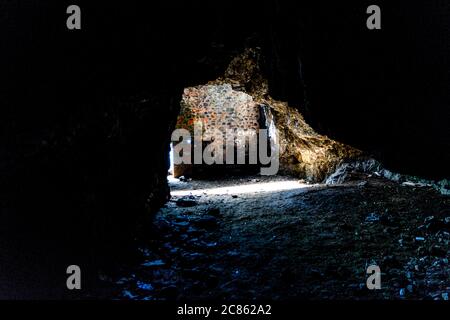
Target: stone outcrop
[
  {"x": 303, "y": 152},
  {"x": 218, "y": 107}
]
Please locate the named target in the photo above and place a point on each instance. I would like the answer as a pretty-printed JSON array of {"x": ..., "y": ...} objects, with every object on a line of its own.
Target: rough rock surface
[
  {"x": 303, "y": 152},
  {"x": 218, "y": 107},
  {"x": 308, "y": 242},
  {"x": 368, "y": 167}
]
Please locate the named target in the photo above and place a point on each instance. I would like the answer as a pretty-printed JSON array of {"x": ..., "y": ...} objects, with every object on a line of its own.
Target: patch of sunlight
[{"x": 247, "y": 188}]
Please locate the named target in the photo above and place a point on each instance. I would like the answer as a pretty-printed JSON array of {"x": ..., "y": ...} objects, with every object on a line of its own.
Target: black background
[{"x": 85, "y": 115}]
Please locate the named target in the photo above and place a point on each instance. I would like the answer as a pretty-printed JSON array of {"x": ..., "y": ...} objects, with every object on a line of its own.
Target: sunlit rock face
[
  {"x": 218, "y": 107},
  {"x": 224, "y": 117},
  {"x": 303, "y": 152},
  {"x": 235, "y": 97}
]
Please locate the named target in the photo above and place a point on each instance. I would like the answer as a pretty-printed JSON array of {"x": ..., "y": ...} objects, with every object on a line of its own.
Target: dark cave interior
[{"x": 87, "y": 116}]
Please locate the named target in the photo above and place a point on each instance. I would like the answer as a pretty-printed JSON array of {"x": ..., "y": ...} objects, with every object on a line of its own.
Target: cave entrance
[{"x": 226, "y": 131}]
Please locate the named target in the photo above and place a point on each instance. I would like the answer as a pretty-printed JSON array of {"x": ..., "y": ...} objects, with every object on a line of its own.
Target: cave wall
[
  {"x": 86, "y": 115},
  {"x": 382, "y": 91},
  {"x": 218, "y": 108},
  {"x": 219, "y": 113}
]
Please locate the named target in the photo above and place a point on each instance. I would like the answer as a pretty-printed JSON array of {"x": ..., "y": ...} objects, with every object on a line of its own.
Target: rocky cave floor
[{"x": 304, "y": 242}]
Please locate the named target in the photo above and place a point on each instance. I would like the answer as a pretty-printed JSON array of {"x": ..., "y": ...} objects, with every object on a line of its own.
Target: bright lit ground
[
  {"x": 235, "y": 187},
  {"x": 275, "y": 238}
]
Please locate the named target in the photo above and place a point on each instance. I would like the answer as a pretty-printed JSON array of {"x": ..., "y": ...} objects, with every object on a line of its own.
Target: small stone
[
  {"x": 215, "y": 212},
  {"x": 206, "y": 222},
  {"x": 211, "y": 244},
  {"x": 216, "y": 268},
  {"x": 194, "y": 256},
  {"x": 316, "y": 274},
  {"x": 323, "y": 235},
  {"x": 408, "y": 184},
  {"x": 186, "y": 203},
  {"x": 122, "y": 281},
  {"x": 362, "y": 184},
  {"x": 127, "y": 294},
  {"x": 169, "y": 292},
  {"x": 181, "y": 224},
  {"x": 437, "y": 251},
  {"x": 193, "y": 231},
  {"x": 372, "y": 217},
  {"x": 155, "y": 263},
  {"x": 145, "y": 286},
  {"x": 233, "y": 253}
]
